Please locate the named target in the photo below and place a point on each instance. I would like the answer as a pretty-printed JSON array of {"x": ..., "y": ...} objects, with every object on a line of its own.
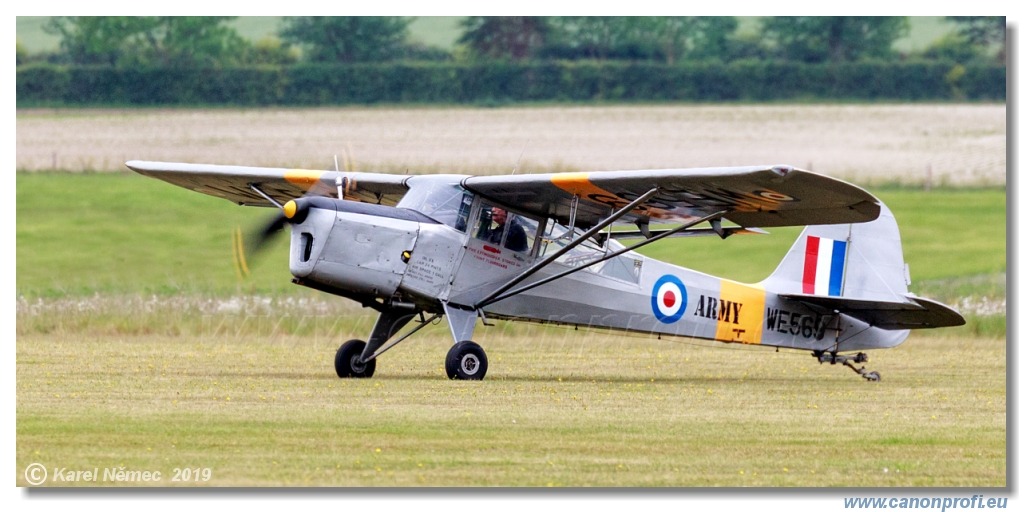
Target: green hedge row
[{"x": 320, "y": 84}]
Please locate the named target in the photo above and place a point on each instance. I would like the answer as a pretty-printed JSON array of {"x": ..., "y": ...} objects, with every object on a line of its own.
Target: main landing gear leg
[
  {"x": 466, "y": 360},
  {"x": 358, "y": 358},
  {"x": 833, "y": 358}
]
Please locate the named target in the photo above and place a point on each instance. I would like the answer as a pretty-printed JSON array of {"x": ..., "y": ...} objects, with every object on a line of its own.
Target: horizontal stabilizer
[{"x": 917, "y": 313}]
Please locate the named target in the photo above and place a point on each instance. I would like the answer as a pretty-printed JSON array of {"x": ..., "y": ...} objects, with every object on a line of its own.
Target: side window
[
  {"x": 499, "y": 227},
  {"x": 521, "y": 233},
  {"x": 483, "y": 229},
  {"x": 463, "y": 215},
  {"x": 625, "y": 267}
]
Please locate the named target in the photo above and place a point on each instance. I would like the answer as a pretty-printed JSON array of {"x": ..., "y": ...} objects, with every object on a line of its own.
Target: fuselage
[
  {"x": 414, "y": 260},
  {"x": 666, "y": 299}
]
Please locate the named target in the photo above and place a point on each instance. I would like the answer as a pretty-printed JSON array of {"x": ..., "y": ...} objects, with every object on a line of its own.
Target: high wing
[
  {"x": 239, "y": 184},
  {"x": 916, "y": 313},
  {"x": 760, "y": 196}
]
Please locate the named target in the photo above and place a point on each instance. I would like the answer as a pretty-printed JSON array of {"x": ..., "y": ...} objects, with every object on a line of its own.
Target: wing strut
[
  {"x": 568, "y": 247},
  {"x": 255, "y": 188},
  {"x": 659, "y": 236}
]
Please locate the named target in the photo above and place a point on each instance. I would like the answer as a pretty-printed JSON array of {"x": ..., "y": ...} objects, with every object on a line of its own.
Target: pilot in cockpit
[{"x": 516, "y": 239}]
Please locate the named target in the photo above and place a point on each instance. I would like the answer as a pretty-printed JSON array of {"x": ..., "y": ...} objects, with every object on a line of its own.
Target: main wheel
[
  {"x": 346, "y": 361},
  {"x": 466, "y": 361}
]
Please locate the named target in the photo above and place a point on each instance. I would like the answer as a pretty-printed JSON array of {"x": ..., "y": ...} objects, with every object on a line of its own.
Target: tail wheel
[
  {"x": 466, "y": 361},
  {"x": 346, "y": 361}
]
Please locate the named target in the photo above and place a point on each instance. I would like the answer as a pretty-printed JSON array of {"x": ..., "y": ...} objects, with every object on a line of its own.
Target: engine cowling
[{"x": 357, "y": 248}]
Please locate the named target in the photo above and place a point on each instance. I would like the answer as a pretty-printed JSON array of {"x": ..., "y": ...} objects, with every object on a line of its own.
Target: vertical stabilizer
[{"x": 858, "y": 261}]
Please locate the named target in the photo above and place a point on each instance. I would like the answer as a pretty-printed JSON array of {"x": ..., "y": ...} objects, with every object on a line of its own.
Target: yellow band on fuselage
[{"x": 741, "y": 312}]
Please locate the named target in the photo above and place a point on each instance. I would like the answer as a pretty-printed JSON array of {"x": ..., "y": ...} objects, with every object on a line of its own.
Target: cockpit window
[
  {"x": 500, "y": 227},
  {"x": 447, "y": 203}
]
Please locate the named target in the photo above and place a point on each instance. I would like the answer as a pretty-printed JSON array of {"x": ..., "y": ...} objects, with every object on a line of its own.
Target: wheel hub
[
  {"x": 470, "y": 364},
  {"x": 356, "y": 365}
]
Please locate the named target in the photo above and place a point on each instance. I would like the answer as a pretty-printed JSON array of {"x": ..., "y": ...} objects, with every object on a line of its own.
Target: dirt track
[{"x": 956, "y": 144}]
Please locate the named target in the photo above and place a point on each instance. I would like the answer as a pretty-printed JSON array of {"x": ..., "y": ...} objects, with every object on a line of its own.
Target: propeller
[{"x": 246, "y": 247}]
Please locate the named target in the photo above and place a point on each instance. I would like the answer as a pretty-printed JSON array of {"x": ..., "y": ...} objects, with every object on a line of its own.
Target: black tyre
[
  {"x": 466, "y": 361},
  {"x": 346, "y": 361}
]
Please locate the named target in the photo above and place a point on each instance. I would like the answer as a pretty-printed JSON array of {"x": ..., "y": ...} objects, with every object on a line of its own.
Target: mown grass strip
[{"x": 559, "y": 408}]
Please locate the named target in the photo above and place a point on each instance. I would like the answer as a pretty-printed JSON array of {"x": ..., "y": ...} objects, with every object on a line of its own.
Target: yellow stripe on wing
[
  {"x": 303, "y": 178},
  {"x": 579, "y": 184},
  {"x": 576, "y": 183}
]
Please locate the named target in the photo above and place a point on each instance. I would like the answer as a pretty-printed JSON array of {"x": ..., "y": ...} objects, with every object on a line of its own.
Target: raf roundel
[{"x": 668, "y": 299}]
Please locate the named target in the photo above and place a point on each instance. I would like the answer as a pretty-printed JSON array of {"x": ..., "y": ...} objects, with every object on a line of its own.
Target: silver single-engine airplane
[{"x": 542, "y": 248}]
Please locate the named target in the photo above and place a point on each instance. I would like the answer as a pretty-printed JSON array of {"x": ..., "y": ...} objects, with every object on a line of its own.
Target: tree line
[
  {"x": 211, "y": 41},
  {"x": 180, "y": 60}
]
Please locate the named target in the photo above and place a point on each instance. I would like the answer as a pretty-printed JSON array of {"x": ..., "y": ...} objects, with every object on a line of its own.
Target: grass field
[
  {"x": 559, "y": 408},
  {"x": 138, "y": 347}
]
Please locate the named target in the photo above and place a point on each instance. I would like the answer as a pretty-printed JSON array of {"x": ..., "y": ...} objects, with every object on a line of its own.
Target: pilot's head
[{"x": 499, "y": 215}]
